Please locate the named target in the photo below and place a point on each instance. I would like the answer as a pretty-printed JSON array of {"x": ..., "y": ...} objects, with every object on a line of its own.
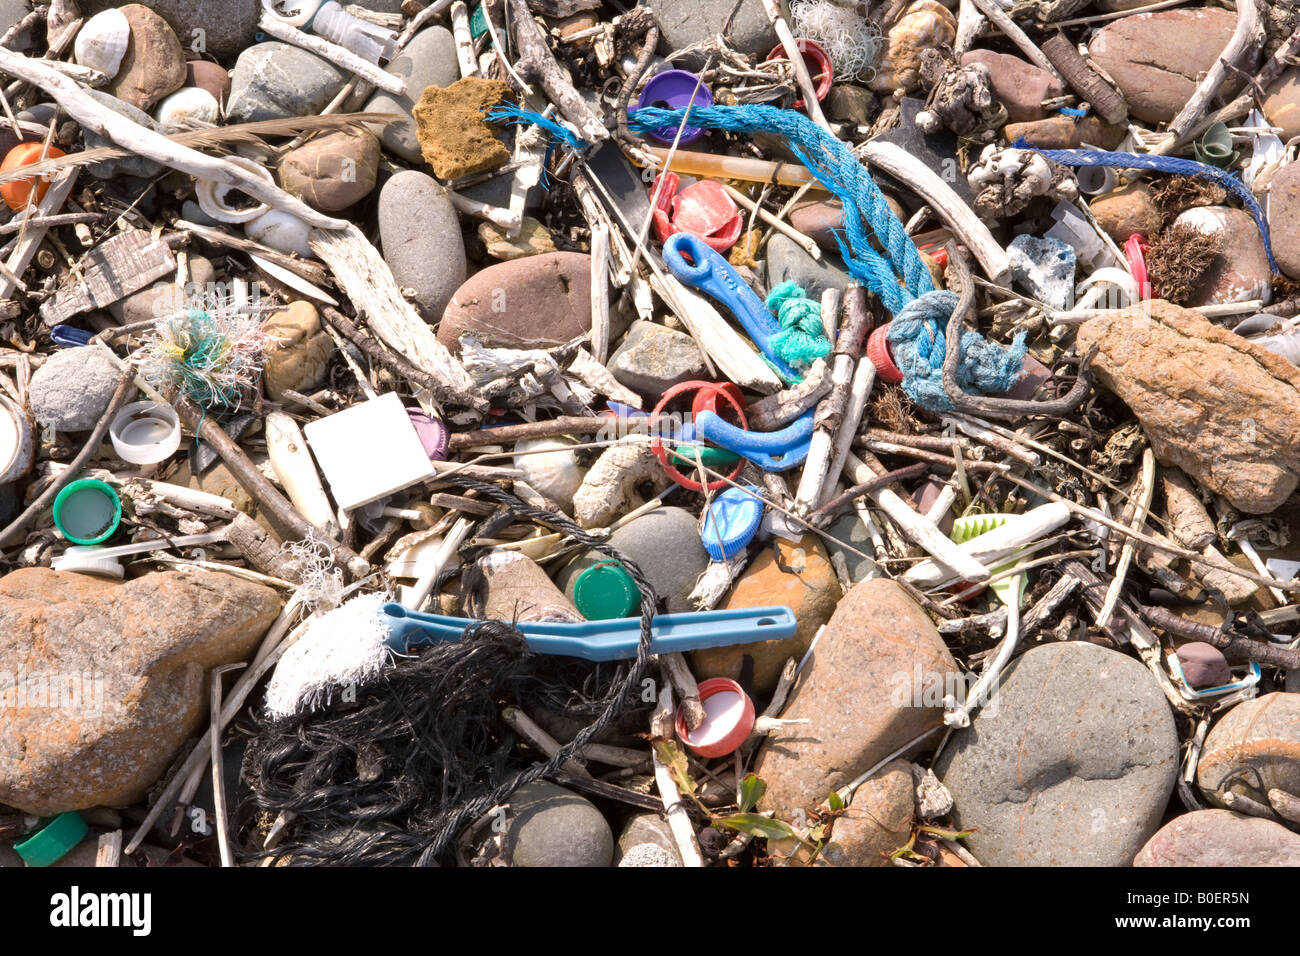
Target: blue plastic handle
[
  {"x": 711, "y": 274},
  {"x": 612, "y": 640},
  {"x": 69, "y": 336},
  {"x": 772, "y": 451}
]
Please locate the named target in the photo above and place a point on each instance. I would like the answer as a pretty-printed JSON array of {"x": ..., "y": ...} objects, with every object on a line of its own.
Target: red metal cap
[{"x": 879, "y": 353}]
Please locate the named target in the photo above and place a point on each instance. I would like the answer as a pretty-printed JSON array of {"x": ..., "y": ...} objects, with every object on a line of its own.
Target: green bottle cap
[
  {"x": 53, "y": 841},
  {"x": 605, "y": 591},
  {"x": 87, "y": 511}
]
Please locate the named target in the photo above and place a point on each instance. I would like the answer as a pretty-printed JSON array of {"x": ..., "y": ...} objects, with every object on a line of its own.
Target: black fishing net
[{"x": 392, "y": 777}]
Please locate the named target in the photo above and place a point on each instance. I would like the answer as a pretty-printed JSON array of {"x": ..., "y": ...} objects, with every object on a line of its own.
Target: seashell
[
  {"x": 296, "y": 13},
  {"x": 212, "y": 195},
  {"x": 556, "y": 474},
  {"x": 282, "y": 232},
  {"x": 186, "y": 109},
  {"x": 102, "y": 41}
]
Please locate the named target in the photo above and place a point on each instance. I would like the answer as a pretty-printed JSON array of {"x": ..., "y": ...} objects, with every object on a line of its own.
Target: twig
[
  {"x": 679, "y": 673},
  {"x": 218, "y": 774},
  {"x": 679, "y": 821},
  {"x": 536, "y": 62},
  {"x": 1146, "y": 486},
  {"x": 339, "y": 56}
]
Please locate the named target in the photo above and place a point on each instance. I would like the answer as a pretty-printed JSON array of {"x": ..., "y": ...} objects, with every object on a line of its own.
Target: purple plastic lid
[
  {"x": 433, "y": 434},
  {"x": 672, "y": 90}
]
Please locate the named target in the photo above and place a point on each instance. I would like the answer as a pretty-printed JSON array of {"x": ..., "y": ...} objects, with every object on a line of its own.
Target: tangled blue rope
[
  {"x": 916, "y": 338},
  {"x": 509, "y": 114},
  {"x": 899, "y": 276},
  {"x": 1164, "y": 164},
  {"x": 802, "y": 339}
]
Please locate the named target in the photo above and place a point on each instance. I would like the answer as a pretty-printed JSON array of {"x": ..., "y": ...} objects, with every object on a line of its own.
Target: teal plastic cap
[
  {"x": 605, "y": 591},
  {"x": 88, "y": 511},
  {"x": 53, "y": 841}
]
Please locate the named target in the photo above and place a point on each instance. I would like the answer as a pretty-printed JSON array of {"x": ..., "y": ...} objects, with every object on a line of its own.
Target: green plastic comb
[{"x": 972, "y": 526}]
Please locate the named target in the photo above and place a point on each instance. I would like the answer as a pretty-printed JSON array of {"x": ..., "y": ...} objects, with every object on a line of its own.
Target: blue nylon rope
[
  {"x": 899, "y": 276},
  {"x": 1164, "y": 164}
]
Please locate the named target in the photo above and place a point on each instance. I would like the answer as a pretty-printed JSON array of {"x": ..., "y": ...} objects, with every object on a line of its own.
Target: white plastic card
[{"x": 368, "y": 451}]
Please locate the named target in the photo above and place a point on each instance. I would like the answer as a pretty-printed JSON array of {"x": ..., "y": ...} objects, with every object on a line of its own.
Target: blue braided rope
[
  {"x": 836, "y": 168},
  {"x": 1164, "y": 164}
]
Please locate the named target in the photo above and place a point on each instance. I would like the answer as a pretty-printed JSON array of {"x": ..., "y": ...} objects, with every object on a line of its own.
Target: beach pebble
[
  {"x": 151, "y": 640},
  {"x": 333, "y": 171},
  {"x": 165, "y": 297},
  {"x": 550, "y": 826},
  {"x": 1253, "y": 748},
  {"x": 419, "y": 234},
  {"x": 1157, "y": 59},
  {"x": 1284, "y": 218},
  {"x": 274, "y": 80},
  {"x": 536, "y": 302},
  {"x": 428, "y": 60},
  {"x": 1203, "y": 665},
  {"x": 643, "y": 830},
  {"x": 216, "y": 28},
  {"x": 874, "y": 682},
  {"x": 206, "y": 75},
  {"x": 1220, "y": 838},
  {"x": 534, "y": 239},
  {"x": 685, "y": 24},
  {"x": 787, "y": 260},
  {"x": 154, "y": 64},
  {"x": 1240, "y": 270},
  {"x": 1019, "y": 86},
  {"x": 298, "y": 353},
  {"x": 652, "y": 359},
  {"x": 1126, "y": 211},
  {"x": 71, "y": 390},
  {"x": 1070, "y": 763},
  {"x": 783, "y": 573}
]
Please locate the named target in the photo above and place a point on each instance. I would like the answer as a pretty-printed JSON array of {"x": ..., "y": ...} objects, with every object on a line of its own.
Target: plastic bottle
[
  {"x": 367, "y": 40},
  {"x": 1285, "y": 344}
]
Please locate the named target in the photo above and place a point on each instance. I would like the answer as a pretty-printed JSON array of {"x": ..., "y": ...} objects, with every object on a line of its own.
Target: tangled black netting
[{"x": 394, "y": 777}]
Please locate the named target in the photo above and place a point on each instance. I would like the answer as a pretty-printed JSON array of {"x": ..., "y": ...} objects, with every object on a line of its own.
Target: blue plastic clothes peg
[
  {"x": 772, "y": 451},
  {"x": 698, "y": 266},
  {"x": 611, "y": 640}
]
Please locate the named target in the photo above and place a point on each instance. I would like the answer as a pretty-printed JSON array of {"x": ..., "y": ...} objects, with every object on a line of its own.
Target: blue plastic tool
[
  {"x": 772, "y": 451},
  {"x": 731, "y": 521},
  {"x": 698, "y": 266},
  {"x": 611, "y": 640}
]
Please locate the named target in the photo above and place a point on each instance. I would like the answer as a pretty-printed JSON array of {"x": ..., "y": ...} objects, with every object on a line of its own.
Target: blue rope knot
[
  {"x": 916, "y": 338},
  {"x": 802, "y": 339}
]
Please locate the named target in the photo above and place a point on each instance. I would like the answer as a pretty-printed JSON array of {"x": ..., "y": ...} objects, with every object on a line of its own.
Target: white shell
[
  {"x": 282, "y": 232},
  {"x": 212, "y": 194},
  {"x": 101, "y": 42},
  {"x": 296, "y": 13},
  {"x": 186, "y": 109},
  {"x": 556, "y": 475}
]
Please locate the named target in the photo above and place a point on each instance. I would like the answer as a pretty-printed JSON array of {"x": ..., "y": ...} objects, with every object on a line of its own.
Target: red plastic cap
[
  {"x": 729, "y": 720},
  {"x": 878, "y": 352}
]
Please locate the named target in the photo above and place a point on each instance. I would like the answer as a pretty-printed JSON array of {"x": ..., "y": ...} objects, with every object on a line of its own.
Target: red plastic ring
[
  {"x": 820, "y": 66},
  {"x": 709, "y": 392},
  {"x": 879, "y": 353}
]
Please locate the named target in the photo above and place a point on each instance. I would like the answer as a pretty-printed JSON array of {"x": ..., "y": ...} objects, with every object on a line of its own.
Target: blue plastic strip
[{"x": 772, "y": 451}]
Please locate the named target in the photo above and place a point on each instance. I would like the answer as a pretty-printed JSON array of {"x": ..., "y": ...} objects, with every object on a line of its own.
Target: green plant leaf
[
  {"x": 751, "y": 788},
  {"x": 672, "y": 757},
  {"x": 834, "y": 801},
  {"x": 759, "y": 826}
]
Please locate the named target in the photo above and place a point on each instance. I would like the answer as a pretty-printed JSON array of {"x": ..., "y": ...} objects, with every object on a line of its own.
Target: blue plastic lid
[
  {"x": 731, "y": 522},
  {"x": 675, "y": 90}
]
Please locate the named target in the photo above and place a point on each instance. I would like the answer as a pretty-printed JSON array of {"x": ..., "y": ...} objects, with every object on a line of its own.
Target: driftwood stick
[
  {"x": 536, "y": 62},
  {"x": 363, "y": 274},
  {"x": 774, "y": 411},
  {"x": 679, "y": 673},
  {"x": 390, "y": 360},
  {"x": 918, "y": 528},
  {"x": 464, "y": 39},
  {"x": 832, "y": 418},
  {"x": 1146, "y": 484},
  {"x": 955, "y": 213},
  {"x": 805, "y": 242},
  {"x": 282, "y": 515},
  {"x": 802, "y": 78},
  {"x": 125, "y": 132},
  {"x": 599, "y": 290},
  {"x": 1105, "y": 101},
  {"x": 338, "y": 55},
  {"x": 218, "y": 774},
  {"x": 30, "y": 240},
  {"x": 1286, "y": 805},
  {"x": 679, "y": 821},
  {"x": 1244, "y": 648},
  {"x": 1189, "y": 522}
]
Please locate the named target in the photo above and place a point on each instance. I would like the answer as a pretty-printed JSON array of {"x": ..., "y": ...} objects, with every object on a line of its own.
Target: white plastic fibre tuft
[{"x": 341, "y": 647}]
